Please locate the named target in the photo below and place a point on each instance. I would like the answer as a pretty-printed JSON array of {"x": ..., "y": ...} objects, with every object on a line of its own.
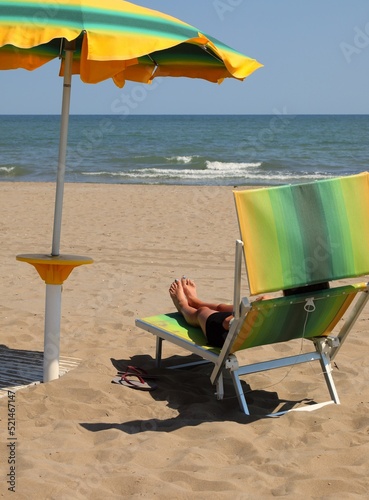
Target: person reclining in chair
[{"x": 214, "y": 319}]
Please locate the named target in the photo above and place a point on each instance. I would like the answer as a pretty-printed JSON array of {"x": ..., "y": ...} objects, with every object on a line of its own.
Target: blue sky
[{"x": 315, "y": 55}]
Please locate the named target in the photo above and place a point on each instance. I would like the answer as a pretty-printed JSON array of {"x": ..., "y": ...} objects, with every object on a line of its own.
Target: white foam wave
[
  {"x": 8, "y": 170},
  {"x": 181, "y": 159},
  {"x": 216, "y": 171},
  {"x": 231, "y": 166},
  {"x": 200, "y": 175}
]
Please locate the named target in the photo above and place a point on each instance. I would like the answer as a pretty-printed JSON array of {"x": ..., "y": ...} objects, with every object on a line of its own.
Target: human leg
[{"x": 193, "y": 316}]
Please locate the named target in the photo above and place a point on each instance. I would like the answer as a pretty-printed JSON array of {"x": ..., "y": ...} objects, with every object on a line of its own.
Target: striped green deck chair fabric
[
  {"x": 286, "y": 318},
  {"x": 306, "y": 233}
]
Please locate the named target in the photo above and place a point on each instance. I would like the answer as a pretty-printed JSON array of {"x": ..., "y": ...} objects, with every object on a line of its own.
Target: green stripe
[
  {"x": 186, "y": 54},
  {"x": 314, "y": 225},
  {"x": 337, "y": 235},
  {"x": 48, "y": 50},
  {"x": 283, "y": 210}
]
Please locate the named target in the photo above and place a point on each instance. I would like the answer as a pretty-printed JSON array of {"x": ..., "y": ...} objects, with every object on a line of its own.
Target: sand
[{"x": 83, "y": 437}]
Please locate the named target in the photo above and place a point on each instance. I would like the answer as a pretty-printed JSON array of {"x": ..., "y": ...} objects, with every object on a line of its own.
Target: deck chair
[{"x": 291, "y": 236}]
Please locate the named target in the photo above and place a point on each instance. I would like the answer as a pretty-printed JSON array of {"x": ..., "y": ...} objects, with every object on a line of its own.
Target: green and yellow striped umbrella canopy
[{"x": 113, "y": 39}]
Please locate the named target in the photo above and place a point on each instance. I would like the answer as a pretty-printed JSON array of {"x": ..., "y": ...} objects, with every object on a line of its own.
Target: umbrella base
[{"x": 54, "y": 271}]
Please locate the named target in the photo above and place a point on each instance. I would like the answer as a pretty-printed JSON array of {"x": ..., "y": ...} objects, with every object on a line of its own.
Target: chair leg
[
  {"x": 239, "y": 391},
  {"x": 324, "y": 348},
  {"x": 220, "y": 387},
  {"x": 159, "y": 346},
  {"x": 327, "y": 372}
]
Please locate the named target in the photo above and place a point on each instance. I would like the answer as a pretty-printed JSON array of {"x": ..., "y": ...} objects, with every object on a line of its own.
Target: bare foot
[
  {"x": 189, "y": 288},
  {"x": 178, "y": 296}
]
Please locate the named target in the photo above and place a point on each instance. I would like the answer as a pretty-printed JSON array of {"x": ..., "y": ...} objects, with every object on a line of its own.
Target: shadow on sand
[
  {"x": 19, "y": 367},
  {"x": 190, "y": 393}
]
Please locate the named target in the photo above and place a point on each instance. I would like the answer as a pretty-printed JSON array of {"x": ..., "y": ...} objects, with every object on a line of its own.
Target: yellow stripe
[
  {"x": 257, "y": 251},
  {"x": 356, "y": 196},
  {"x": 246, "y": 328}
]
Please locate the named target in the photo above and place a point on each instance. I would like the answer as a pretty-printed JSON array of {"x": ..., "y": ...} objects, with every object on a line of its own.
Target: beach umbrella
[{"x": 100, "y": 40}]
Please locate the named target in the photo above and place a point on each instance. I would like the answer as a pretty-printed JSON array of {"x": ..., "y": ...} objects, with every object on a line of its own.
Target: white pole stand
[
  {"x": 53, "y": 271},
  {"x": 52, "y": 332}
]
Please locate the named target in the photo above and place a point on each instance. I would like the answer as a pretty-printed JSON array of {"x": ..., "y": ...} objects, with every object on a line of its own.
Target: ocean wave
[
  {"x": 11, "y": 171},
  {"x": 7, "y": 170},
  {"x": 230, "y": 168},
  {"x": 211, "y": 170},
  {"x": 181, "y": 159},
  {"x": 219, "y": 172}
]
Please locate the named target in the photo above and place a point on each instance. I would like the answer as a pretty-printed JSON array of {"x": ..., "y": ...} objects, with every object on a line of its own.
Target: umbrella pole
[
  {"x": 54, "y": 291},
  {"x": 69, "y": 47}
]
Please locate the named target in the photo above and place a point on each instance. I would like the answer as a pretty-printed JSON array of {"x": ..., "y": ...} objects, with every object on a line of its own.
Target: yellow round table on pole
[{"x": 54, "y": 270}]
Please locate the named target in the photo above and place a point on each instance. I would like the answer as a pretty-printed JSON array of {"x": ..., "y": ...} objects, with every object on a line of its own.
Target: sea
[{"x": 229, "y": 150}]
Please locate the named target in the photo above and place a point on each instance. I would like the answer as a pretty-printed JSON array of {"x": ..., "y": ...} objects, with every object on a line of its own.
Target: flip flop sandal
[
  {"x": 122, "y": 368},
  {"x": 139, "y": 384},
  {"x": 135, "y": 370}
]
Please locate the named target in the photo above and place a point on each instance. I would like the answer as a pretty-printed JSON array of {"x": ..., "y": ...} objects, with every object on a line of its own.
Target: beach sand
[{"x": 83, "y": 437}]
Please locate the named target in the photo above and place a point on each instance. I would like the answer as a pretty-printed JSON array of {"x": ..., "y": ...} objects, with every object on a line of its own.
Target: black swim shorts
[{"x": 215, "y": 331}]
